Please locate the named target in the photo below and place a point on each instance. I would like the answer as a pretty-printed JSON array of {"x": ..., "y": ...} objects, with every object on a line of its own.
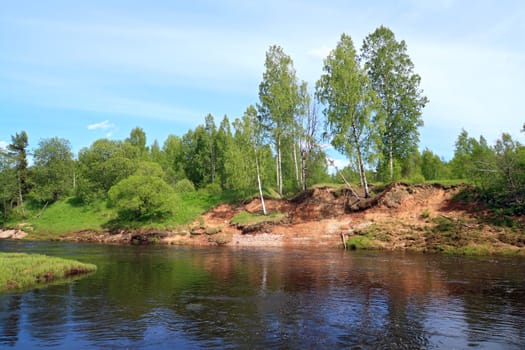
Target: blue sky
[{"x": 84, "y": 70}]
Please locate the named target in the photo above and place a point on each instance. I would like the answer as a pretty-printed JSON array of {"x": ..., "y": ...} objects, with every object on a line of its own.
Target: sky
[{"x": 84, "y": 70}]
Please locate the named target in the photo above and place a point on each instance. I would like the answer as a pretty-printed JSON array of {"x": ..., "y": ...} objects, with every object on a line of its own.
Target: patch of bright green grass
[
  {"x": 21, "y": 271},
  {"x": 245, "y": 218},
  {"x": 360, "y": 242},
  {"x": 67, "y": 216}
]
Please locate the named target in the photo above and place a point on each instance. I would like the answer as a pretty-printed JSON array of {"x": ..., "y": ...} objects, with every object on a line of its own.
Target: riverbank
[
  {"x": 423, "y": 218},
  {"x": 20, "y": 271}
]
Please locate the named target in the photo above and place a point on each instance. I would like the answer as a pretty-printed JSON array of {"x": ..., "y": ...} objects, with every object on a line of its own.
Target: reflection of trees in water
[
  {"x": 493, "y": 293},
  {"x": 47, "y": 313},
  {"x": 295, "y": 299},
  {"x": 10, "y": 316},
  {"x": 281, "y": 298}
]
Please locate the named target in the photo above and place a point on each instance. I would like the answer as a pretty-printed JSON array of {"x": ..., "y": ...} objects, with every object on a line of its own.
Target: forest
[{"x": 367, "y": 105}]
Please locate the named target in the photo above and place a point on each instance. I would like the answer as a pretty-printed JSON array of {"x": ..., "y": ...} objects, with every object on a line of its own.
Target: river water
[{"x": 180, "y": 297}]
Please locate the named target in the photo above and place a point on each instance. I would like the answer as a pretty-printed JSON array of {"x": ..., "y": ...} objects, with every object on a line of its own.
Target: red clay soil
[{"x": 402, "y": 217}]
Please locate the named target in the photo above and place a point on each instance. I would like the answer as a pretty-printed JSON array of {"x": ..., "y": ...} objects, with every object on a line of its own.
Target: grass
[
  {"x": 22, "y": 271},
  {"x": 360, "y": 242},
  {"x": 68, "y": 215},
  {"x": 245, "y": 218}
]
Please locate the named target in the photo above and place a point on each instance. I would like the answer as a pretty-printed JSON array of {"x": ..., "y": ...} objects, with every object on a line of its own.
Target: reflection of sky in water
[{"x": 200, "y": 297}]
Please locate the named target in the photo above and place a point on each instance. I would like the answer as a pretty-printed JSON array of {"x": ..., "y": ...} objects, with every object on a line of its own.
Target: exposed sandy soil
[{"x": 402, "y": 217}]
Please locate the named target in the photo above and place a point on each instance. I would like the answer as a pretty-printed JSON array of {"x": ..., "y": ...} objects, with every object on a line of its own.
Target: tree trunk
[
  {"x": 212, "y": 159},
  {"x": 20, "y": 198},
  {"x": 362, "y": 173},
  {"x": 303, "y": 169},
  {"x": 390, "y": 158},
  {"x": 297, "y": 179},
  {"x": 279, "y": 167},
  {"x": 259, "y": 184}
]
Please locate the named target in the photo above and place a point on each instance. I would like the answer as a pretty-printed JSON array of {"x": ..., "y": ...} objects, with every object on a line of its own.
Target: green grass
[
  {"x": 22, "y": 271},
  {"x": 68, "y": 216},
  {"x": 245, "y": 218},
  {"x": 360, "y": 242}
]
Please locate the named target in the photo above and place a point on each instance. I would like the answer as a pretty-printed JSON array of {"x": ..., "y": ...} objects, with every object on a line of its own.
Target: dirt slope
[
  {"x": 414, "y": 217},
  {"x": 424, "y": 218}
]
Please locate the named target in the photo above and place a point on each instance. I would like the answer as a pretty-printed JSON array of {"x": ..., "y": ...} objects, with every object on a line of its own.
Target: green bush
[
  {"x": 213, "y": 189},
  {"x": 184, "y": 186},
  {"x": 142, "y": 197}
]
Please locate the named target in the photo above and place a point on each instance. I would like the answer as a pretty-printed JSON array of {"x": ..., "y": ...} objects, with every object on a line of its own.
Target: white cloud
[
  {"x": 338, "y": 162},
  {"x": 319, "y": 52},
  {"x": 102, "y": 125},
  {"x": 3, "y": 144}
]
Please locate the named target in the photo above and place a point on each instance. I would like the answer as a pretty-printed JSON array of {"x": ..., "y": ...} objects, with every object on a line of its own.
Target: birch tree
[
  {"x": 391, "y": 73},
  {"x": 279, "y": 97},
  {"x": 348, "y": 101}
]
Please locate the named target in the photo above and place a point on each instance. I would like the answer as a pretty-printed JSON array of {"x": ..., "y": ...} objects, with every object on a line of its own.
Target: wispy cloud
[
  {"x": 102, "y": 125},
  {"x": 319, "y": 52},
  {"x": 3, "y": 144}
]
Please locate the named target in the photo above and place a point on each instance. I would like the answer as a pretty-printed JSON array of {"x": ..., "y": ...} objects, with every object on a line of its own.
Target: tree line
[{"x": 367, "y": 105}]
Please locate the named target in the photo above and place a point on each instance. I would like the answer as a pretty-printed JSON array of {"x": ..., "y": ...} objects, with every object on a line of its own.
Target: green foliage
[
  {"x": 184, "y": 185},
  {"x": 402, "y": 99},
  {"x": 280, "y": 101},
  {"x": 69, "y": 215},
  {"x": 142, "y": 197},
  {"x": 432, "y": 167},
  {"x": 145, "y": 168},
  {"x": 349, "y": 103},
  {"x": 137, "y": 138},
  {"x": 497, "y": 171},
  {"x": 103, "y": 165},
  {"x": 360, "y": 242},
  {"x": 213, "y": 189},
  {"x": 245, "y": 218},
  {"x": 17, "y": 152},
  {"x": 8, "y": 185},
  {"x": 20, "y": 271},
  {"x": 53, "y": 170}
]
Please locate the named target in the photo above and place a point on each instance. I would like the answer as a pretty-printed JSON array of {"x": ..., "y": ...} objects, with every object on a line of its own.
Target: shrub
[
  {"x": 142, "y": 197},
  {"x": 213, "y": 189},
  {"x": 184, "y": 186}
]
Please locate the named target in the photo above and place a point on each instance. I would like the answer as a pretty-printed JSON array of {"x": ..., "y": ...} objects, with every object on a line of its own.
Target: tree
[
  {"x": 173, "y": 161},
  {"x": 8, "y": 183},
  {"x": 211, "y": 131},
  {"x": 197, "y": 160},
  {"x": 53, "y": 170},
  {"x": 254, "y": 129},
  {"x": 391, "y": 72},
  {"x": 279, "y": 97},
  {"x": 432, "y": 167},
  {"x": 17, "y": 151},
  {"x": 349, "y": 102},
  {"x": 137, "y": 138},
  {"x": 103, "y": 165},
  {"x": 140, "y": 197}
]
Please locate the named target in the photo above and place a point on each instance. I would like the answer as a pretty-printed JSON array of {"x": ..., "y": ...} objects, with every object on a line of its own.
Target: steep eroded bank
[{"x": 427, "y": 218}]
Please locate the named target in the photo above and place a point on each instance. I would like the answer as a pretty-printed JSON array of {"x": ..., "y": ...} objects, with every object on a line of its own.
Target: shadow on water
[{"x": 153, "y": 297}]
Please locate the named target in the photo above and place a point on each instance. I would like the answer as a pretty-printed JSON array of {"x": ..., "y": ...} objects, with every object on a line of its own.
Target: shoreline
[{"x": 420, "y": 218}]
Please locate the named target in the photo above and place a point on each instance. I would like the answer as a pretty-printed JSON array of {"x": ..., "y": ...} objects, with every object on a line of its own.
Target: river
[{"x": 187, "y": 297}]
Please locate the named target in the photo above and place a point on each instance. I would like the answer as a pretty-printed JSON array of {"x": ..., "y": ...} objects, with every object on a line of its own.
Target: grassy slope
[
  {"x": 67, "y": 216},
  {"x": 18, "y": 270}
]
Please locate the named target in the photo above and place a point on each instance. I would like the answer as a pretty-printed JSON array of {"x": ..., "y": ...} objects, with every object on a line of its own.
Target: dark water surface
[{"x": 155, "y": 297}]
